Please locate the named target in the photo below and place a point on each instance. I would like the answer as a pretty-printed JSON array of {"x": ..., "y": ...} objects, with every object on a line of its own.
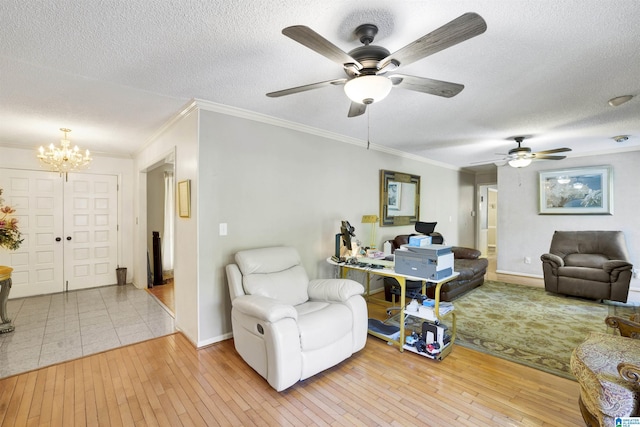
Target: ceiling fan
[
  {"x": 367, "y": 66},
  {"x": 521, "y": 157}
]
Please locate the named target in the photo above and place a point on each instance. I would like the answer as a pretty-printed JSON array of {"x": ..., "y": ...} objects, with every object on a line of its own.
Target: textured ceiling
[{"x": 115, "y": 71}]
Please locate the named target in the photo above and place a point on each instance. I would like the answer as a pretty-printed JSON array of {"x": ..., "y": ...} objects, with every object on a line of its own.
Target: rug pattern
[
  {"x": 530, "y": 326},
  {"x": 526, "y": 324}
]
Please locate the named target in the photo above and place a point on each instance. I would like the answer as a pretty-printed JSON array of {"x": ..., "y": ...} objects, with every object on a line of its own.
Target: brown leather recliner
[{"x": 588, "y": 264}]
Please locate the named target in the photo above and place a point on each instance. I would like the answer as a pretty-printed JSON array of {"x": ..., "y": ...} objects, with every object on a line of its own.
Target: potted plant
[{"x": 10, "y": 236}]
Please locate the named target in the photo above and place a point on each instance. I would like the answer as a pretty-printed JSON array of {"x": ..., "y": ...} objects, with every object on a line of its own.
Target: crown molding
[
  {"x": 263, "y": 118},
  {"x": 190, "y": 106}
]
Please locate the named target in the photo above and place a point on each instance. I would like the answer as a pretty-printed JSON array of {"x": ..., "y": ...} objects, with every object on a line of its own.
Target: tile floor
[{"x": 58, "y": 327}]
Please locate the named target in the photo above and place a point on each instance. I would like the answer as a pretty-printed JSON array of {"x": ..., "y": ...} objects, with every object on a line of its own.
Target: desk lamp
[{"x": 371, "y": 219}]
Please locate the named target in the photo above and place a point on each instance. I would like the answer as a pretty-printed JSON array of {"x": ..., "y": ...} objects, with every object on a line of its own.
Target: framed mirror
[{"x": 399, "y": 198}]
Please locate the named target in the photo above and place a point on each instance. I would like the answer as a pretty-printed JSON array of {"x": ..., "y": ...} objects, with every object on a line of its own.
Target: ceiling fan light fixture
[
  {"x": 520, "y": 162},
  {"x": 368, "y": 89}
]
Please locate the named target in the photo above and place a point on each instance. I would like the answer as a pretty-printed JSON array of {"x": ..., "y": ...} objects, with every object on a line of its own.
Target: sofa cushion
[
  {"x": 584, "y": 273},
  {"x": 585, "y": 260},
  {"x": 288, "y": 286},
  {"x": 595, "y": 365},
  {"x": 460, "y": 252},
  {"x": 469, "y": 268},
  {"x": 610, "y": 243},
  {"x": 274, "y": 273},
  {"x": 321, "y": 324}
]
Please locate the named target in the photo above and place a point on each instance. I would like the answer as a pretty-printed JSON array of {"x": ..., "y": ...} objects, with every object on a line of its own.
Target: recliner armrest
[
  {"x": 263, "y": 308},
  {"x": 616, "y": 264},
  {"x": 552, "y": 259},
  {"x": 338, "y": 290}
]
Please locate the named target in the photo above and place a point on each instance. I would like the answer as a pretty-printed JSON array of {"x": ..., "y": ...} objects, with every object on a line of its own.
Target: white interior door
[
  {"x": 37, "y": 198},
  {"x": 492, "y": 209},
  {"x": 90, "y": 230}
]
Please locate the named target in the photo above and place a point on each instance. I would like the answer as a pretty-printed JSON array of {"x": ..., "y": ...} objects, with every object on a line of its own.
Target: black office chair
[{"x": 427, "y": 228}]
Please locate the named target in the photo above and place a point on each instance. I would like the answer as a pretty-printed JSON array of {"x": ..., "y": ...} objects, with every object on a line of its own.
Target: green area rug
[{"x": 530, "y": 326}]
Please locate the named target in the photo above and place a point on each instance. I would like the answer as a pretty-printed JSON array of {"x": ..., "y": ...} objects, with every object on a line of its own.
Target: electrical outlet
[
  {"x": 223, "y": 228},
  {"x": 527, "y": 260}
]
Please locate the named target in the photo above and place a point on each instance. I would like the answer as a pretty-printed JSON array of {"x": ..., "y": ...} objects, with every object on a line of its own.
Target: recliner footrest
[{"x": 380, "y": 327}]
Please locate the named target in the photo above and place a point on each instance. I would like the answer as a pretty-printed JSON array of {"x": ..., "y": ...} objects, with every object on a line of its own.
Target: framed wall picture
[
  {"x": 578, "y": 191},
  {"x": 399, "y": 198},
  {"x": 394, "y": 191},
  {"x": 184, "y": 198}
]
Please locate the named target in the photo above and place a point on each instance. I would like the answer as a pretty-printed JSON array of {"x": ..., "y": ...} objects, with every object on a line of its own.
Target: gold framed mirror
[{"x": 399, "y": 198}]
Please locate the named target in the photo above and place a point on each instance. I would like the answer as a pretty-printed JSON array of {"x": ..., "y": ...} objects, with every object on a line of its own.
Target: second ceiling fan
[
  {"x": 521, "y": 157},
  {"x": 371, "y": 69}
]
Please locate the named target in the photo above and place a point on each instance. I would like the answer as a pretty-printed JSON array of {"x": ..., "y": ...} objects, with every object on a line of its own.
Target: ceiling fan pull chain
[{"x": 368, "y": 127}]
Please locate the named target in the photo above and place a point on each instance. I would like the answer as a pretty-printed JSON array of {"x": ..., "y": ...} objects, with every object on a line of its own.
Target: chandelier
[{"x": 64, "y": 159}]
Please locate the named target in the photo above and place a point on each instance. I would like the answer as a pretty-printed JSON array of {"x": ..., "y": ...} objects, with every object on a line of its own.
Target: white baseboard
[
  {"x": 214, "y": 340},
  {"x": 520, "y": 278},
  {"x": 634, "y": 295}
]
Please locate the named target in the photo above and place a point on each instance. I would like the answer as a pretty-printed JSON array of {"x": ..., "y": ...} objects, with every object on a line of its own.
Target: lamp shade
[
  {"x": 519, "y": 162},
  {"x": 368, "y": 89}
]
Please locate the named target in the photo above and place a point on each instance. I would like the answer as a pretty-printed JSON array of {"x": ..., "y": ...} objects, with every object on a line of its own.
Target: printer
[{"x": 432, "y": 262}]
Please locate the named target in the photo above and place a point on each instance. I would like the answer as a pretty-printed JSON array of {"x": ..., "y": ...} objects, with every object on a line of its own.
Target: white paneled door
[
  {"x": 90, "y": 230},
  {"x": 37, "y": 198},
  {"x": 69, "y": 229}
]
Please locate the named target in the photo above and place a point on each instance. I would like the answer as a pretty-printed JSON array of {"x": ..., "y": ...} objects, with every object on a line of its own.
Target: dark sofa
[{"x": 467, "y": 262}]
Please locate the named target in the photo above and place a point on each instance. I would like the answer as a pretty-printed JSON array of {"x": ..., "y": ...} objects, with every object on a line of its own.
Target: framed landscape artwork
[{"x": 579, "y": 191}]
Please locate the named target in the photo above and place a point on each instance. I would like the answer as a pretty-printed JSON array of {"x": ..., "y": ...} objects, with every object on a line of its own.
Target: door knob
[
  {"x": 58, "y": 239},
  {"x": 68, "y": 237}
]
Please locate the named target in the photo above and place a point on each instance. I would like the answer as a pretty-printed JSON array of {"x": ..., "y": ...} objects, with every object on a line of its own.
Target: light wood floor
[
  {"x": 165, "y": 294},
  {"x": 166, "y": 381}
]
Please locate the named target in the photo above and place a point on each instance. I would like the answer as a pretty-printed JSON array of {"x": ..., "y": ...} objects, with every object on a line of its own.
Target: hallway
[{"x": 64, "y": 326}]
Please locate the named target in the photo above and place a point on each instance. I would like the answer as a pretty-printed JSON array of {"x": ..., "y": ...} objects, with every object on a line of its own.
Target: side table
[{"x": 5, "y": 287}]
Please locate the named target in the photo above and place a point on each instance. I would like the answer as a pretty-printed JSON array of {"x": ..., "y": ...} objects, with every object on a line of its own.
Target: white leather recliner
[{"x": 287, "y": 327}]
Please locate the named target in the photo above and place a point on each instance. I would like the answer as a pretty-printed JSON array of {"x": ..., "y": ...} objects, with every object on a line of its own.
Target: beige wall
[
  {"x": 275, "y": 183},
  {"x": 522, "y": 232},
  {"x": 179, "y": 139}
]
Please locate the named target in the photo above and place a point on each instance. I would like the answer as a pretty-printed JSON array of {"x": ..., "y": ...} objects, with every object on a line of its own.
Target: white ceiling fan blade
[
  {"x": 314, "y": 41},
  {"x": 305, "y": 88},
  {"x": 425, "y": 85},
  {"x": 460, "y": 29}
]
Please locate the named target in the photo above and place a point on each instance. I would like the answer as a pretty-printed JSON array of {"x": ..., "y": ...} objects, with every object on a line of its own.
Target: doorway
[
  {"x": 70, "y": 230},
  {"x": 160, "y": 231},
  {"x": 488, "y": 224}
]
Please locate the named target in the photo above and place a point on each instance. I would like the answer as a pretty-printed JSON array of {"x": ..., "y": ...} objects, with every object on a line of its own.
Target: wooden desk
[{"x": 402, "y": 280}]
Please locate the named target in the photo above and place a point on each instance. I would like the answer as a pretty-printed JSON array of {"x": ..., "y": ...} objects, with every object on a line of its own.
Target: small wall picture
[
  {"x": 586, "y": 191},
  {"x": 393, "y": 190},
  {"x": 184, "y": 198}
]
